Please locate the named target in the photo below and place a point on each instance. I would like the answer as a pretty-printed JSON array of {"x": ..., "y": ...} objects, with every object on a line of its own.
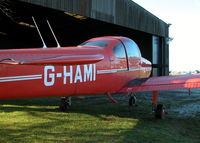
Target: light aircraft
[{"x": 103, "y": 65}]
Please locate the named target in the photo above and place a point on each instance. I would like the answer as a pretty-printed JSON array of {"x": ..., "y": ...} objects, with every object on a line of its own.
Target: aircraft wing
[
  {"x": 58, "y": 60},
  {"x": 163, "y": 83}
]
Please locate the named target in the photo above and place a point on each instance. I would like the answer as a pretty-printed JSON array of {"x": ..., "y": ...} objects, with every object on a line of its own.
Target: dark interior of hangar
[{"x": 18, "y": 31}]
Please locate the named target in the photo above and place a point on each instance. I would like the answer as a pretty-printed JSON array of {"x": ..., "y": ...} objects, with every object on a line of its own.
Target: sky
[{"x": 184, "y": 15}]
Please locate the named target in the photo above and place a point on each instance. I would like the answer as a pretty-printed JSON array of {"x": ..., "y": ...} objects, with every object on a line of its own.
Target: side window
[
  {"x": 132, "y": 49},
  {"x": 119, "y": 51}
]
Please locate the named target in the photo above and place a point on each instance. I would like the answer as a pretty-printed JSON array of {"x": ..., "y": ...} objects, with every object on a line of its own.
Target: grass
[{"x": 39, "y": 120}]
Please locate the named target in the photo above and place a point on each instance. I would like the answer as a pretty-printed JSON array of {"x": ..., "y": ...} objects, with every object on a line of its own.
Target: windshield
[{"x": 95, "y": 43}]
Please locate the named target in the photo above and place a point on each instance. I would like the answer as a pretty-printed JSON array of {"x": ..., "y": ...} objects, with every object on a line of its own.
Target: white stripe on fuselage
[
  {"x": 33, "y": 77},
  {"x": 20, "y": 78},
  {"x": 122, "y": 70},
  {"x": 110, "y": 71}
]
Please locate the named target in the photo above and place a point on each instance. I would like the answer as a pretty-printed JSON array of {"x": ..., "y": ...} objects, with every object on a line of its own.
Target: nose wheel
[{"x": 65, "y": 103}]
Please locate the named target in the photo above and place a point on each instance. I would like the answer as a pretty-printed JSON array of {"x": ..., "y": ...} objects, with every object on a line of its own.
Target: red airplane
[{"x": 104, "y": 65}]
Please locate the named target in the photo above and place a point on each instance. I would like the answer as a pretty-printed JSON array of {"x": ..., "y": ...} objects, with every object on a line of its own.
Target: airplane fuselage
[{"x": 34, "y": 76}]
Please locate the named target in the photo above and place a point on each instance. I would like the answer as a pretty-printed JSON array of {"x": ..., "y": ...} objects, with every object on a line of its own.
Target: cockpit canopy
[{"x": 120, "y": 48}]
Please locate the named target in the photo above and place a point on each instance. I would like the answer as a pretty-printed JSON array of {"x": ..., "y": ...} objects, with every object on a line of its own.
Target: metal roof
[{"x": 121, "y": 12}]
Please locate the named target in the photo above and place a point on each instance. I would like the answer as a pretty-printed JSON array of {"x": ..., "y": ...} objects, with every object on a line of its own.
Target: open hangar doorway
[{"x": 70, "y": 29}]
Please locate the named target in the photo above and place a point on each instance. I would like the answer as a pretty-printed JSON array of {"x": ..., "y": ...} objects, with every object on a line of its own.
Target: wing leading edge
[
  {"x": 163, "y": 83},
  {"x": 55, "y": 56},
  {"x": 61, "y": 60}
]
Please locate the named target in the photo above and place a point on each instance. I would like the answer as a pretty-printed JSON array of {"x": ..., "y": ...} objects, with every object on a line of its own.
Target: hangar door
[{"x": 156, "y": 59}]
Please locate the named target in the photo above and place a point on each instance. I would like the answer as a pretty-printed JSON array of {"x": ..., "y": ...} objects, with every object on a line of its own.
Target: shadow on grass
[
  {"x": 104, "y": 122},
  {"x": 32, "y": 101},
  {"x": 59, "y": 127},
  {"x": 82, "y": 106}
]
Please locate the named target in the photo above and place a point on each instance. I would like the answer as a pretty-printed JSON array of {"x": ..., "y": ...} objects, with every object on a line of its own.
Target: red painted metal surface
[
  {"x": 167, "y": 83},
  {"x": 112, "y": 99},
  {"x": 82, "y": 70}
]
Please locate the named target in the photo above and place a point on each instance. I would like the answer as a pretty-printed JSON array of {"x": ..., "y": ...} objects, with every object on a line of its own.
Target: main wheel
[
  {"x": 132, "y": 101},
  {"x": 65, "y": 103},
  {"x": 159, "y": 111}
]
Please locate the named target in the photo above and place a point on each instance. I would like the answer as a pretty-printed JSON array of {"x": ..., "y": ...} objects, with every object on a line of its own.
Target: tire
[
  {"x": 159, "y": 111},
  {"x": 132, "y": 101},
  {"x": 64, "y": 104}
]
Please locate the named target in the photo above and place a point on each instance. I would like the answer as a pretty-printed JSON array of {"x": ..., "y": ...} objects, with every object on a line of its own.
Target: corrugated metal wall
[
  {"x": 121, "y": 12},
  {"x": 103, "y": 10}
]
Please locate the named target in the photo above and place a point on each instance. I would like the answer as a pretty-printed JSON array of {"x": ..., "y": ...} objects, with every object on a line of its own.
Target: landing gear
[
  {"x": 65, "y": 103},
  {"x": 159, "y": 111},
  {"x": 157, "y": 108},
  {"x": 132, "y": 100}
]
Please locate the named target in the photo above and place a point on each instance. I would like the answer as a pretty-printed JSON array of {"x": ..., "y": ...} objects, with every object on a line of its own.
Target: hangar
[{"x": 75, "y": 21}]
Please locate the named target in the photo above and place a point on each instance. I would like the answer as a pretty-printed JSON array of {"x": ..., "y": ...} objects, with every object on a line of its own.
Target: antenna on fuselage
[
  {"x": 44, "y": 45},
  {"x": 58, "y": 45}
]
